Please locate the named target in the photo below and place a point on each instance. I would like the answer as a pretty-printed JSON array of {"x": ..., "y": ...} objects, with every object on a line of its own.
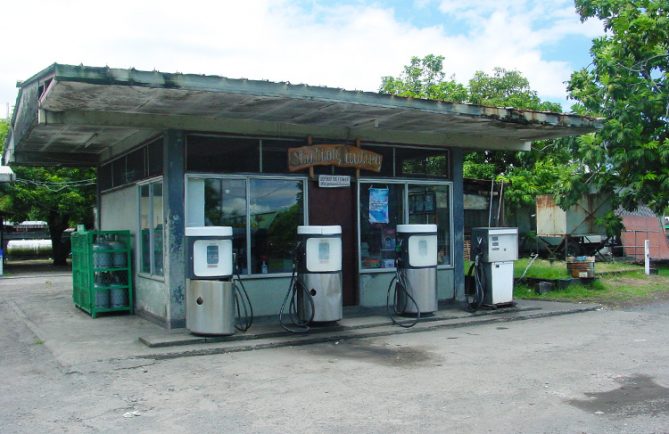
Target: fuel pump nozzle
[
  {"x": 397, "y": 291},
  {"x": 290, "y": 301},
  {"x": 476, "y": 295}
]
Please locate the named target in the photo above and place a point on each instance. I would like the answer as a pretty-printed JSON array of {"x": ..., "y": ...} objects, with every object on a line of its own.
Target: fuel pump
[
  {"x": 215, "y": 303},
  {"x": 413, "y": 290},
  {"x": 493, "y": 253},
  {"x": 315, "y": 291}
]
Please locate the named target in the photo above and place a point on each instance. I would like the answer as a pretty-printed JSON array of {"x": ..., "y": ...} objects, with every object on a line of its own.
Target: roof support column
[
  {"x": 174, "y": 218},
  {"x": 457, "y": 158}
]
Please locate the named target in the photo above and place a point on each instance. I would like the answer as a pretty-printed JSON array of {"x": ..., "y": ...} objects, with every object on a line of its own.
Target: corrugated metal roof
[
  {"x": 641, "y": 211},
  {"x": 84, "y": 115}
]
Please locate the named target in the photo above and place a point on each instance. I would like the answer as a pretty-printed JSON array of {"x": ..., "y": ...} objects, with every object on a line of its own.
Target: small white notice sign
[{"x": 334, "y": 181}]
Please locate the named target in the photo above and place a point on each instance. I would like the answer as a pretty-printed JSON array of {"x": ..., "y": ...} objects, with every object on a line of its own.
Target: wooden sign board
[{"x": 333, "y": 155}]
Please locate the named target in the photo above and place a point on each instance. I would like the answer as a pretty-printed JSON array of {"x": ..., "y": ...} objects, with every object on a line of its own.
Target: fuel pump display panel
[
  {"x": 423, "y": 251},
  {"x": 212, "y": 258},
  {"x": 323, "y": 254},
  {"x": 212, "y": 255},
  {"x": 496, "y": 244}
]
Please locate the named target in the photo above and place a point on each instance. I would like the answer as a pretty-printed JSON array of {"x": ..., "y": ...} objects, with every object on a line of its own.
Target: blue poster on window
[{"x": 378, "y": 205}]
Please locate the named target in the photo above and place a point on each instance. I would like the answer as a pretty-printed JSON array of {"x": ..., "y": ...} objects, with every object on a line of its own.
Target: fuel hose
[
  {"x": 243, "y": 305},
  {"x": 397, "y": 290},
  {"x": 289, "y": 315}
]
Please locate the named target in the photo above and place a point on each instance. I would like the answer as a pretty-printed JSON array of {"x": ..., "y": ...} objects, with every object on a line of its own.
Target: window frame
[
  {"x": 406, "y": 182},
  {"x": 138, "y": 247},
  {"x": 247, "y": 179},
  {"x": 394, "y": 148},
  {"x": 146, "y": 175}
]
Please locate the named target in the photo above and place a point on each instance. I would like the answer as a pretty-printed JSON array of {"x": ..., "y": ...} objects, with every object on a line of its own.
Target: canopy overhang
[{"x": 80, "y": 115}]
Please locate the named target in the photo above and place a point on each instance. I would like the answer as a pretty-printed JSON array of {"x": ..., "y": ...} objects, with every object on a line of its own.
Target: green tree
[
  {"x": 424, "y": 78},
  {"x": 527, "y": 174},
  {"x": 506, "y": 89},
  {"x": 628, "y": 84},
  {"x": 60, "y": 196}
]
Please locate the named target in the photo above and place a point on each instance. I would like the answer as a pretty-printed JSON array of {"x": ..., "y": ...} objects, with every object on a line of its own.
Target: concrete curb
[
  {"x": 288, "y": 341},
  {"x": 189, "y": 339}
]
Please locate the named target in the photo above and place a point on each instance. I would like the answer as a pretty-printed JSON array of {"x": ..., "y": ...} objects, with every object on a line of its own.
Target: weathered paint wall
[
  {"x": 119, "y": 211},
  {"x": 580, "y": 219},
  {"x": 151, "y": 299},
  {"x": 374, "y": 287}
]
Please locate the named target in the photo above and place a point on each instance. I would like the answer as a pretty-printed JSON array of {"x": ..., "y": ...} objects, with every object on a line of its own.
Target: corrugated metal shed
[
  {"x": 580, "y": 219},
  {"x": 640, "y": 225}
]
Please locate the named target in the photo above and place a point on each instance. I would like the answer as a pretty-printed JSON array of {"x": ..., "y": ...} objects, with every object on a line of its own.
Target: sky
[{"x": 347, "y": 44}]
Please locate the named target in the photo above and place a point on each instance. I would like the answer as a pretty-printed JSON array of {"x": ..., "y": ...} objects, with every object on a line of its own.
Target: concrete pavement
[
  {"x": 599, "y": 371},
  {"x": 43, "y": 302}
]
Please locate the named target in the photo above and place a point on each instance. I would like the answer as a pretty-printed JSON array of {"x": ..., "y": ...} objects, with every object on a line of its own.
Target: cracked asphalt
[{"x": 604, "y": 371}]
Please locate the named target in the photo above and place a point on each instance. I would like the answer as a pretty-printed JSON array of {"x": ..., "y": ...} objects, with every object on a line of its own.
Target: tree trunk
[{"x": 57, "y": 225}]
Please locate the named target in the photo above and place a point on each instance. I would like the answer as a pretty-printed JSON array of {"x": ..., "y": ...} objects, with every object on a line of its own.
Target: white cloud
[{"x": 335, "y": 45}]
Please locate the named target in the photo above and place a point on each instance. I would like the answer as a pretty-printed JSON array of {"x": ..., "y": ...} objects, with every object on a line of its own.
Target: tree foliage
[
  {"x": 60, "y": 196},
  {"x": 505, "y": 88},
  {"x": 536, "y": 172},
  {"x": 628, "y": 84},
  {"x": 425, "y": 78}
]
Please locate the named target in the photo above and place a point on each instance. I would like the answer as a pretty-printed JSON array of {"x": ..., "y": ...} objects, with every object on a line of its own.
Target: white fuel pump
[
  {"x": 215, "y": 303},
  {"x": 415, "y": 282},
  {"x": 493, "y": 253},
  {"x": 315, "y": 291}
]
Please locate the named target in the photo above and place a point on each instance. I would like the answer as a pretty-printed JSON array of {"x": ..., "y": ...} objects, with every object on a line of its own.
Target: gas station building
[{"x": 181, "y": 150}]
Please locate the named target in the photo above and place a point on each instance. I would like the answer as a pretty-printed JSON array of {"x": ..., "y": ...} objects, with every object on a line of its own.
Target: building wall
[
  {"x": 267, "y": 294},
  {"x": 119, "y": 211},
  {"x": 162, "y": 299},
  {"x": 151, "y": 297},
  {"x": 374, "y": 287}
]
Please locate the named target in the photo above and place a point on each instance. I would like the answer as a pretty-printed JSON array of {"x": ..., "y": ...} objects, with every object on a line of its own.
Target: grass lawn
[
  {"x": 544, "y": 269},
  {"x": 627, "y": 287}
]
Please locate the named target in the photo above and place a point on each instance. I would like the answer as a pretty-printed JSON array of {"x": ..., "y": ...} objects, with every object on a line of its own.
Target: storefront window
[
  {"x": 420, "y": 162},
  {"x": 387, "y": 162},
  {"x": 430, "y": 204},
  {"x": 222, "y": 154},
  {"x": 136, "y": 165},
  {"x": 275, "y": 155},
  {"x": 151, "y": 228},
  {"x": 381, "y": 210},
  {"x": 144, "y": 226},
  {"x": 264, "y": 213},
  {"x": 225, "y": 205},
  {"x": 139, "y": 164},
  {"x": 157, "y": 218},
  {"x": 276, "y": 208},
  {"x": 385, "y": 205}
]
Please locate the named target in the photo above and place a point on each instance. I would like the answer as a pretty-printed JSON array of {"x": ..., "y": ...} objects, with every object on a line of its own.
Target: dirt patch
[
  {"x": 631, "y": 281},
  {"x": 651, "y": 289},
  {"x": 655, "y": 297}
]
